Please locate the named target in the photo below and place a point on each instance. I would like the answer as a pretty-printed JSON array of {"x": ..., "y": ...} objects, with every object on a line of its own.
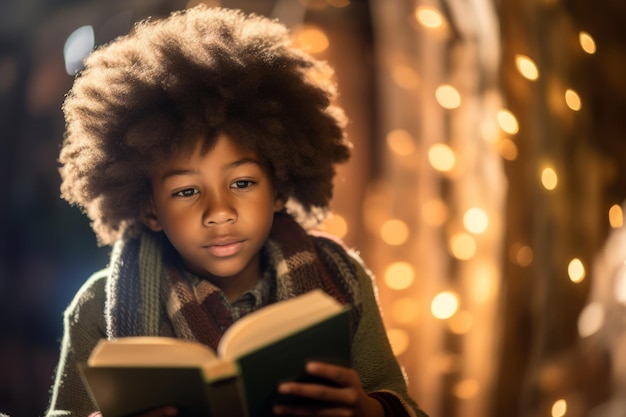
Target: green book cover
[
  {"x": 261, "y": 371},
  {"x": 272, "y": 345},
  {"x": 124, "y": 391}
]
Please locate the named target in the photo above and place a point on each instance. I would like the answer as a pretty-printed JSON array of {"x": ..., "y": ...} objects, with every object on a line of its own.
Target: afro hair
[{"x": 201, "y": 71}]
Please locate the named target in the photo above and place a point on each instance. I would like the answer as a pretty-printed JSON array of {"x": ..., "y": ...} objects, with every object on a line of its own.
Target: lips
[{"x": 225, "y": 247}]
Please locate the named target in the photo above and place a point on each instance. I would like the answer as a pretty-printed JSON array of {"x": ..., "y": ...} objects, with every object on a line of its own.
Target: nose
[{"x": 218, "y": 210}]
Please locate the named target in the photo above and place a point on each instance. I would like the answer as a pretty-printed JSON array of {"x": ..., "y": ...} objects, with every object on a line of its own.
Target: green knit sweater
[{"x": 84, "y": 322}]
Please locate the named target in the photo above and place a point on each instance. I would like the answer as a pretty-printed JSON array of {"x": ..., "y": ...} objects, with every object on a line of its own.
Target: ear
[
  {"x": 150, "y": 218},
  {"x": 279, "y": 202}
]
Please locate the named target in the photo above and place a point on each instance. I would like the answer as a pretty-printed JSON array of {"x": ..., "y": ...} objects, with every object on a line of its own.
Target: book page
[
  {"x": 150, "y": 351},
  {"x": 276, "y": 321}
]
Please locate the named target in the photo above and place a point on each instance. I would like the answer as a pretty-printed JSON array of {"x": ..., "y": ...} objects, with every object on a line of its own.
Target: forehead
[{"x": 220, "y": 152}]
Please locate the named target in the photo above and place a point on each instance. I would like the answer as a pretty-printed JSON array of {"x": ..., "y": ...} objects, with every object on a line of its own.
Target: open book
[{"x": 259, "y": 351}]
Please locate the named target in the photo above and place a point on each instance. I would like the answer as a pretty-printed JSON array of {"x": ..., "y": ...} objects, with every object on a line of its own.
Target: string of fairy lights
[{"x": 398, "y": 276}]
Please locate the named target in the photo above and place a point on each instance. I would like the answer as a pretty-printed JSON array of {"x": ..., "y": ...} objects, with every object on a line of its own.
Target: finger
[
  {"x": 340, "y": 375},
  {"x": 322, "y": 393}
]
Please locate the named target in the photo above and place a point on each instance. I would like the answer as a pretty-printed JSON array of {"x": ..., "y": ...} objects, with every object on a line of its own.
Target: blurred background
[{"x": 485, "y": 190}]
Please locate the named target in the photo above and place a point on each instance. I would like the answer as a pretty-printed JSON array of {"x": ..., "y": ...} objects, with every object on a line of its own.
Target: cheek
[
  {"x": 174, "y": 220},
  {"x": 178, "y": 219}
]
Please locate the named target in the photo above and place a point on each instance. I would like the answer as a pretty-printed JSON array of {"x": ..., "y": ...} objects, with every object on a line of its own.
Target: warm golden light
[
  {"x": 526, "y": 67},
  {"x": 507, "y": 149},
  {"x": 444, "y": 305},
  {"x": 429, "y": 17},
  {"x": 338, "y": 3},
  {"x": 399, "y": 340},
  {"x": 572, "y": 99},
  {"x": 576, "y": 270},
  {"x": 394, "y": 232},
  {"x": 587, "y": 42},
  {"x": 461, "y": 322},
  {"x": 475, "y": 220},
  {"x": 522, "y": 255},
  {"x": 549, "y": 179},
  {"x": 559, "y": 408},
  {"x": 399, "y": 275},
  {"x": 405, "y": 77},
  {"x": 483, "y": 284},
  {"x": 441, "y": 157},
  {"x": 507, "y": 122},
  {"x": 311, "y": 38},
  {"x": 445, "y": 363},
  {"x": 376, "y": 207},
  {"x": 489, "y": 131},
  {"x": 591, "y": 319},
  {"x": 466, "y": 388},
  {"x": 404, "y": 310},
  {"x": 336, "y": 225},
  {"x": 462, "y": 246},
  {"x": 616, "y": 216},
  {"x": 401, "y": 142},
  {"x": 620, "y": 286},
  {"x": 435, "y": 212},
  {"x": 448, "y": 97},
  {"x": 314, "y": 4}
]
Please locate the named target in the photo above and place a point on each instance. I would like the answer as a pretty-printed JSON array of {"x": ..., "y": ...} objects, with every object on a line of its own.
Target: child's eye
[
  {"x": 242, "y": 184},
  {"x": 187, "y": 192}
]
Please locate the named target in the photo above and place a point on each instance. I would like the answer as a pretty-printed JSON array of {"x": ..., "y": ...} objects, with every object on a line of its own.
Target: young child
[{"x": 193, "y": 144}]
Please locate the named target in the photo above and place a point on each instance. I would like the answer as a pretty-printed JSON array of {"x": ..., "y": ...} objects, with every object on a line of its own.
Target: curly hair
[{"x": 201, "y": 71}]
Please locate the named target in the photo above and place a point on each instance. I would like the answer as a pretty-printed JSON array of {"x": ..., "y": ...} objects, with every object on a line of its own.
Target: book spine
[{"x": 225, "y": 398}]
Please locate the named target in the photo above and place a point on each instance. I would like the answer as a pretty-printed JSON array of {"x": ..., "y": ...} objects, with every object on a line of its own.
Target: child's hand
[{"x": 346, "y": 398}]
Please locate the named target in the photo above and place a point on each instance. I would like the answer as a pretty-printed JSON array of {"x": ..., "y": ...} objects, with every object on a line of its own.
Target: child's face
[{"x": 217, "y": 210}]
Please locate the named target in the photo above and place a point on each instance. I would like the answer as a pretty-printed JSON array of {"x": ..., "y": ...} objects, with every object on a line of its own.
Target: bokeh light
[
  {"x": 401, "y": 142},
  {"x": 399, "y": 340},
  {"x": 461, "y": 323},
  {"x": 475, "y": 220},
  {"x": 444, "y": 305},
  {"x": 507, "y": 149},
  {"x": 399, "y": 275},
  {"x": 507, "y": 121},
  {"x": 576, "y": 270},
  {"x": 429, "y": 17},
  {"x": 441, "y": 157},
  {"x": 521, "y": 255},
  {"x": 616, "y": 216},
  {"x": 467, "y": 388},
  {"x": 549, "y": 179},
  {"x": 394, "y": 232},
  {"x": 526, "y": 67},
  {"x": 311, "y": 38},
  {"x": 587, "y": 42},
  {"x": 448, "y": 97},
  {"x": 77, "y": 47},
  {"x": 336, "y": 225},
  {"x": 559, "y": 408},
  {"x": 462, "y": 246},
  {"x": 572, "y": 99},
  {"x": 591, "y": 319}
]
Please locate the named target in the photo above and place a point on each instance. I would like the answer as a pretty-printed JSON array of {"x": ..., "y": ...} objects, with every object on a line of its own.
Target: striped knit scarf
[{"x": 148, "y": 295}]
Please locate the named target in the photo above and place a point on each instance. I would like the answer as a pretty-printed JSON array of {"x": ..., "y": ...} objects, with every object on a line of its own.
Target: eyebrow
[{"x": 234, "y": 164}]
